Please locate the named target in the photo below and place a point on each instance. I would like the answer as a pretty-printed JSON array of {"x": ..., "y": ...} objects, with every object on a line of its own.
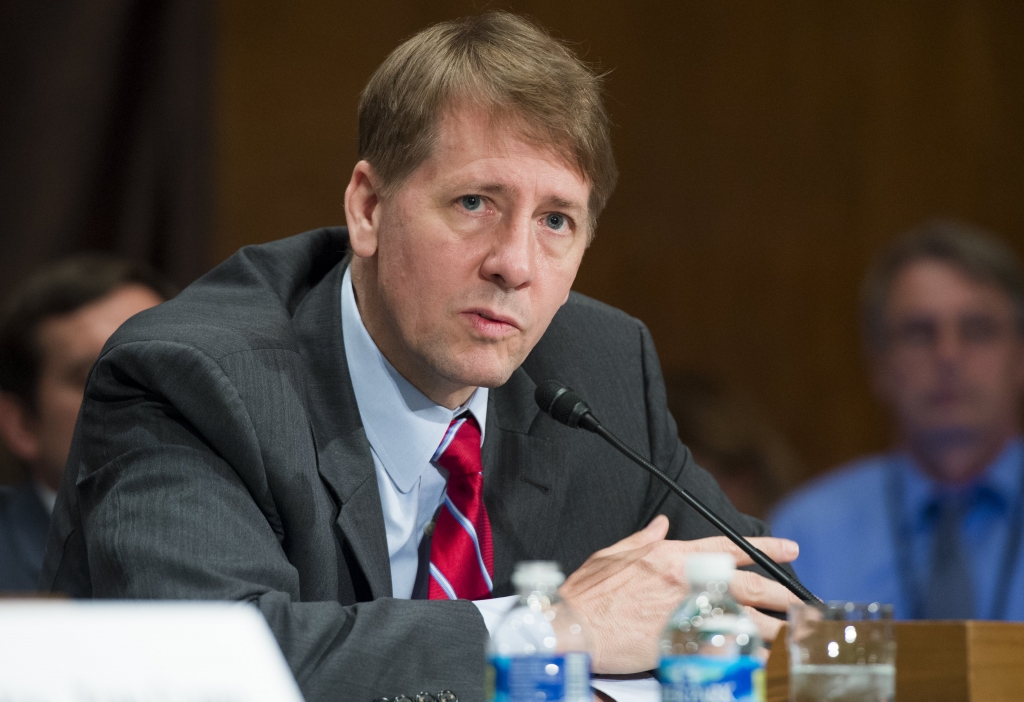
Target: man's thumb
[{"x": 656, "y": 530}]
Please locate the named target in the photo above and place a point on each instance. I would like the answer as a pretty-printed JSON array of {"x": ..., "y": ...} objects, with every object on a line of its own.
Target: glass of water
[{"x": 841, "y": 652}]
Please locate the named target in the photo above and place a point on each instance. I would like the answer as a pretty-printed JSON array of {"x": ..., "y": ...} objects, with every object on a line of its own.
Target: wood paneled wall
[{"x": 767, "y": 151}]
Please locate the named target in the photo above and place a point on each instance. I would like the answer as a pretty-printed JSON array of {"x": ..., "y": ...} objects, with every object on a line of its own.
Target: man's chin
[
  {"x": 491, "y": 379},
  {"x": 487, "y": 372}
]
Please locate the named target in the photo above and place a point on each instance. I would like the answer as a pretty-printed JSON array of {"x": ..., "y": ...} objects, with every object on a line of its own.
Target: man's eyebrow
[
  {"x": 489, "y": 188},
  {"x": 563, "y": 204}
]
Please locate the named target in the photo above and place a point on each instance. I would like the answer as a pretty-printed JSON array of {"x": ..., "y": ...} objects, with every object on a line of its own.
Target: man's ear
[
  {"x": 362, "y": 209},
  {"x": 18, "y": 428}
]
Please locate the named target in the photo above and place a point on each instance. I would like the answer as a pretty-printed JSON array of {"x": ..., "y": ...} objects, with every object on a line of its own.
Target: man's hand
[{"x": 627, "y": 592}]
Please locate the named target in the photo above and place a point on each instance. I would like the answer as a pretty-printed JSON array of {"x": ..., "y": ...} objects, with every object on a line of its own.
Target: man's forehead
[
  {"x": 477, "y": 146},
  {"x": 939, "y": 286}
]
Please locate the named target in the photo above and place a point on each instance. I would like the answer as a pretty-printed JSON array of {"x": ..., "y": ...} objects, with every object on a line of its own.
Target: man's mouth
[
  {"x": 490, "y": 323},
  {"x": 948, "y": 396}
]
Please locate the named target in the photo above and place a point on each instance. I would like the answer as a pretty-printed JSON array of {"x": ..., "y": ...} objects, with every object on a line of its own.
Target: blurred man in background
[
  {"x": 935, "y": 525},
  {"x": 51, "y": 333}
]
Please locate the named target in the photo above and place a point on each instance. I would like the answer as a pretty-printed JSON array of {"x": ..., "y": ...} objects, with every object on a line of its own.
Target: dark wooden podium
[{"x": 939, "y": 662}]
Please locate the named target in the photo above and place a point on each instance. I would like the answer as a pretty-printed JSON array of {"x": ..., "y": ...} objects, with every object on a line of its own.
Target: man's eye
[
  {"x": 916, "y": 333},
  {"x": 979, "y": 329},
  {"x": 555, "y": 221},
  {"x": 472, "y": 202}
]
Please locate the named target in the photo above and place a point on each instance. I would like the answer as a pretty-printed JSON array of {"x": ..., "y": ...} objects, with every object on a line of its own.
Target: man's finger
[
  {"x": 655, "y": 531},
  {"x": 767, "y": 626},
  {"x": 779, "y": 550},
  {"x": 758, "y": 591}
]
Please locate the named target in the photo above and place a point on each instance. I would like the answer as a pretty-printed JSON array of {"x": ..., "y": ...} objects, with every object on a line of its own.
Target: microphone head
[
  {"x": 547, "y": 392},
  {"x": 564, "y": 405}
]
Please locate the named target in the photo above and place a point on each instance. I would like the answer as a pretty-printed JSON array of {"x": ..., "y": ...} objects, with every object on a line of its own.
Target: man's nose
[
  {"x": 509, "y": 263},
  {"x": 949, "y": 344}
]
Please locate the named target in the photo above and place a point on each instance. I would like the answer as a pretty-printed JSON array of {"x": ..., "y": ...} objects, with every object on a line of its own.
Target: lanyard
[{"x": 904, "y": 548}]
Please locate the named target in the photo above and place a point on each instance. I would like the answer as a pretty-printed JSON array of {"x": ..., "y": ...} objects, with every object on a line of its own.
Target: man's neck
[{"x": 960, "y": 459}]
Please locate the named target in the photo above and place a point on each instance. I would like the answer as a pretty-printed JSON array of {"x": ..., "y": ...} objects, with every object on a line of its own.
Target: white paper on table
[{"x": 140, "y": 651}]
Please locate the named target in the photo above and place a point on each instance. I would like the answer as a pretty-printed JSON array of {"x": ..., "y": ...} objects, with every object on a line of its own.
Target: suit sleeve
[{"x": 165, "y": 498}]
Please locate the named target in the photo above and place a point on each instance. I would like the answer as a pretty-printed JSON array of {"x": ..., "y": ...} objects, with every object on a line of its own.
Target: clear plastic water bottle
[
  {"x": 541, "y": 650},
  {"x": 710, "y": 650}
]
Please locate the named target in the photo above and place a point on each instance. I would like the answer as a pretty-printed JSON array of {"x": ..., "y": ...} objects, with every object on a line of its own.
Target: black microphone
[{"x": 565, "y": 406}]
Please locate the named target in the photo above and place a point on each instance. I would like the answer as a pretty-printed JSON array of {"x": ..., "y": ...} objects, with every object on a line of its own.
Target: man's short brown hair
[
  {"x": 506, "y": 65},
  {"x": 57, "y": 290},
  {"x": 973, "y": 252}
]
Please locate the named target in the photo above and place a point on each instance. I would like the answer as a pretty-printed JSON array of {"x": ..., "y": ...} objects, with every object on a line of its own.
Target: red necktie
[{"x": 461, "y": 553}]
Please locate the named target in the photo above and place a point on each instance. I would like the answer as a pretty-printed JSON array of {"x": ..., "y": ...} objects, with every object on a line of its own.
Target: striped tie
[{"x": 461, "y": 554}]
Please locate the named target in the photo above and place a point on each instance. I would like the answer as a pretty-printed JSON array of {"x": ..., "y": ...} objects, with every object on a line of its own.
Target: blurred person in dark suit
[
  {"x": 934, "y": 525},
  {"x": 731, "y": 439},
  {"x": 51, "y": 332}
]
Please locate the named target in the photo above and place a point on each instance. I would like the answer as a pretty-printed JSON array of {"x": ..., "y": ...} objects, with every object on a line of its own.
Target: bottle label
[
  {"x": 539, "y": 678},
  {"x": 707, "y": 679}
]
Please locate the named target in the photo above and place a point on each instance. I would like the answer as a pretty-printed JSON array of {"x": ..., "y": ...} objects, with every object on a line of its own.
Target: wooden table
[{"x": 939, "y": 662}]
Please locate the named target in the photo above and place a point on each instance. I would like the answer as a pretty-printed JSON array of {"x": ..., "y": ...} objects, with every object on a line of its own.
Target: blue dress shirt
[
  {"x": 853, "y": 525},
  {"x": 404, "y": 428}
]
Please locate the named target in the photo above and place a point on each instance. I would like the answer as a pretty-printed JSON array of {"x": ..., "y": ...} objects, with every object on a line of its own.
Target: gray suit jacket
[
  {"x": 220, "y": 455},
  {"x": 23, "y": 526}
]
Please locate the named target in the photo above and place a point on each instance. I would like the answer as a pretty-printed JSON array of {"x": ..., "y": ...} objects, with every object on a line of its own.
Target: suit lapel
[
  {"x": 344, "y": 459},
  {"x": 520, "y": 486}
]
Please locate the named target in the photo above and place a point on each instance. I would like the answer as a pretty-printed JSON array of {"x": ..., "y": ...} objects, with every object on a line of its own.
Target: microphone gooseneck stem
[{"x": 758, "y": 556}]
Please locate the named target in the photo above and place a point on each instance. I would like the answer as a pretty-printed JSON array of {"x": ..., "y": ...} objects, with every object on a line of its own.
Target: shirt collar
[
  {"x": 403, "y": 425},
  {"x": 47, "y": 496},
  {"x": 1001, "y": 479}
]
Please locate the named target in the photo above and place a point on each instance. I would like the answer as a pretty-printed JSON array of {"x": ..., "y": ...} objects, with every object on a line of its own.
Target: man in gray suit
[{"x": 280, "y": 432}]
